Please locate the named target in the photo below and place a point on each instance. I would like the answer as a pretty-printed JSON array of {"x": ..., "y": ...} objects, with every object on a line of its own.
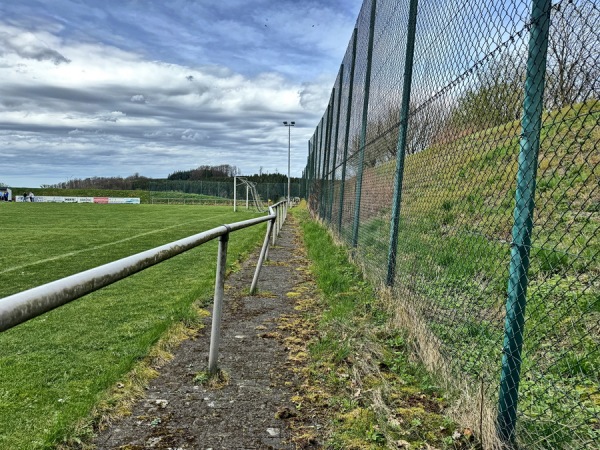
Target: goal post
[{"x": 252, "y": 195}]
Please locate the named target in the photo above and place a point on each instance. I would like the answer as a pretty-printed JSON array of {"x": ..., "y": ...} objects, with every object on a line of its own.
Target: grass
[
  {"x": 454, "y": 254},
  {"x": 56, "y": 368},
  {"x": 360, "y": 372}
]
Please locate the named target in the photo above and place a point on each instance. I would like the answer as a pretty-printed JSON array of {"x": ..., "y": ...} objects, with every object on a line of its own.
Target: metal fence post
[
  {"x": 311, "y": 168},
  {"x": 309, "y": 171},
  {"x": 347, "y": 134},
  {"x": 274, "y": 232},
  {"x": 401, "y": 147},
  {"x": 334, "y": 159},
  {"x": 262, "y": 257},
  {"x": 215, "y": 334},
  {"x": 328, "y": 129},
  {"x": 320, "y": 167},
  {"x": 363, "y": 133},
  {"x": 324, "y": 165},
  {"x": 523, "y": 220}
]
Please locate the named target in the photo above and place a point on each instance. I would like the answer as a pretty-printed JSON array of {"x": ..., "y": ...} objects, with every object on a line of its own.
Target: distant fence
[
  {"x": 267, "y": 191},
  {"x": 459, "y": 159},
  {"x": 191, "y": 201}
]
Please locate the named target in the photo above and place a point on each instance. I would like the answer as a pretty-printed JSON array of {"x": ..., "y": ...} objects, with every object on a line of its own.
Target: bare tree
[{"x": 573, "y": 61}]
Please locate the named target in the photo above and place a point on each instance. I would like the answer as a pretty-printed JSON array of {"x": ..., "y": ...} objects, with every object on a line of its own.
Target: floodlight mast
[{"x": 289, "y": 125}]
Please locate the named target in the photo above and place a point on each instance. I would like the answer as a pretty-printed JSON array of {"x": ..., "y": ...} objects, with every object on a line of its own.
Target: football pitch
[{"x": 54, "y": 369}]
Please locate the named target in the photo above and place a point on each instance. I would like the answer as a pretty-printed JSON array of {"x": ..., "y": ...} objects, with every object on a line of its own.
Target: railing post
[
  {"x": 401, "y": 146},
  {"x": 531, "y": 124},
  {"x": 347, "y": 134},
  {"x": 274, "y": 232},
  {"x": 262, "y": 257},
  {"x": 363, "y": 133},
  {"x": 234, "y": 194},
  {"x": 215, "y": 334}
]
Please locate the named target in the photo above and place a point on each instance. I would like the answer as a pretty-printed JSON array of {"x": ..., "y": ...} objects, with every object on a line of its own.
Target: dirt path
[{"x": 250, "y": 411}]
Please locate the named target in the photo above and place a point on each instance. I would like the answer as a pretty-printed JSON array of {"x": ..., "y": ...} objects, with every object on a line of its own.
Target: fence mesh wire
[
  {"x": 500, "y": 292},
  {"x": 223, "y": 189}
]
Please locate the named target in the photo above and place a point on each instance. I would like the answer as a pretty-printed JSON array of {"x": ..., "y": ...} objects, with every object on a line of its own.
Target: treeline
[
  {"x": 222, "y": 173},
  {"x": 132, "y": 182},
  {"x": 212, "y": 173},
  {"x": 225, "y": 172}
]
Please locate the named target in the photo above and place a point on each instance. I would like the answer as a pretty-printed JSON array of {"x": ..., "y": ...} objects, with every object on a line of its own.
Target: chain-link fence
[
  {"x": 267, "y": 191},
  {"x": 459, "y": 159}
]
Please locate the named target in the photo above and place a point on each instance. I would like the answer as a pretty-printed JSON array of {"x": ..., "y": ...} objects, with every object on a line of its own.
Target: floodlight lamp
[
  {"x": 293, "y": 123},
  {"x": 285, "y": 123}
]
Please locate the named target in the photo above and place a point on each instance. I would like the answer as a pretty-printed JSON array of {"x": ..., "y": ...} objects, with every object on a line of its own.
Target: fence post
[
  {"x": 274, "y": 232},
  {"x": 234, "y": 193},
  {"x": 334, "y": 159},
  {"x": 309, "y": 171},
  {"x": 325, "y": 161},
  {"x": 262, "y": 257},
  {"x": 319, "y": 165},
  {"x": 328, "y": 129},
  {"x": 363, "y": 133},
  {"x": 347, "y": 134},
  {"x": 401, "y": 146},
  {"x": 215, "y": 333},
  {"x": 531, "y": 124}
]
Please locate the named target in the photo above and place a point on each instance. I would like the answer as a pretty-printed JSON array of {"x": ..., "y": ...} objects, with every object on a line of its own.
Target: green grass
[
  {"x": 376, "y": 394},
  {"x": 55, "y": 368}
]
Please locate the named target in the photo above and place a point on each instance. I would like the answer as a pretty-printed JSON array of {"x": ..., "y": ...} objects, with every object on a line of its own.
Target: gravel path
[{"x": 251, "y": 410}]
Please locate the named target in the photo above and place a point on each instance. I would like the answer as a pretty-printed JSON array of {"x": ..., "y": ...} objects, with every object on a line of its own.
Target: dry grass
[{"x": 468, "y": 407}]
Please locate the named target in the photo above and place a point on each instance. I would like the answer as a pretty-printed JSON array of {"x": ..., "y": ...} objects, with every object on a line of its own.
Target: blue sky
[{"x": 112, "y": 88}]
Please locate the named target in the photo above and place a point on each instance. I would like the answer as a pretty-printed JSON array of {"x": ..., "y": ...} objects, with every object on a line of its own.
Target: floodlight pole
[{"x": 289, "y": 125}]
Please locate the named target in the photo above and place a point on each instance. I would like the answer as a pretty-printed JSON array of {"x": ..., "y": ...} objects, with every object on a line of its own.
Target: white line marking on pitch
[{"x": 108, "y": 244}]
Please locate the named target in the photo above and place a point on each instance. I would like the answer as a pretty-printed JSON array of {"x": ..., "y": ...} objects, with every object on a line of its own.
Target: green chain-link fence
[
  {"x": 223, "y": 189},
  {"x": 459, "y": 159}
]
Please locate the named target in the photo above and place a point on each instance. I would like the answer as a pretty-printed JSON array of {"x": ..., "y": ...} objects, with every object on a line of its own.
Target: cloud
[
  {"x": 28, "y": 45},
  {"x": 112, "y": 116},
  {"x": 138, "y": 98},
  {"x": 191, "y": 135},
  {"x": 145, "y": 92}
]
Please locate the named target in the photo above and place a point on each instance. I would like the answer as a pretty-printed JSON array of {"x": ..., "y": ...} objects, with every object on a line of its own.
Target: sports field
[{"x": 55, "y": 368}]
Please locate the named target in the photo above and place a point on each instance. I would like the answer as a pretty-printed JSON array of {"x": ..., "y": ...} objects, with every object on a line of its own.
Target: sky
[{"x": 118, "y": 87}]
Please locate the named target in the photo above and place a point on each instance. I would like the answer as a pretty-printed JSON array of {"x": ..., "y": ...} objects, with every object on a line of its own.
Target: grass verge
[{"x": 359, "y": 380}]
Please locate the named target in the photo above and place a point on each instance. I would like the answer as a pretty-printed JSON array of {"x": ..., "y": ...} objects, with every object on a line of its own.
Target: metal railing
[{"x": 23, "y": 306}]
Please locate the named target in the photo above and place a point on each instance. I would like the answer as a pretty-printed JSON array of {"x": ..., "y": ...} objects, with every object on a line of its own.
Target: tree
[
  {"x": 494, "y": 99},
  {"x": 573, "y": 63}
]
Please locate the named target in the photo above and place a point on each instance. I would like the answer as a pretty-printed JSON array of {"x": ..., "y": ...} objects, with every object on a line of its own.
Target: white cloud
[
  {"x": 138, "y": 98},
  {"x": 88, "y": 102}
]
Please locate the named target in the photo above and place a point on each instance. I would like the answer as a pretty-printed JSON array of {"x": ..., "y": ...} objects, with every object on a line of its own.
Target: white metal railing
[{"x": 23, "y": 306}]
